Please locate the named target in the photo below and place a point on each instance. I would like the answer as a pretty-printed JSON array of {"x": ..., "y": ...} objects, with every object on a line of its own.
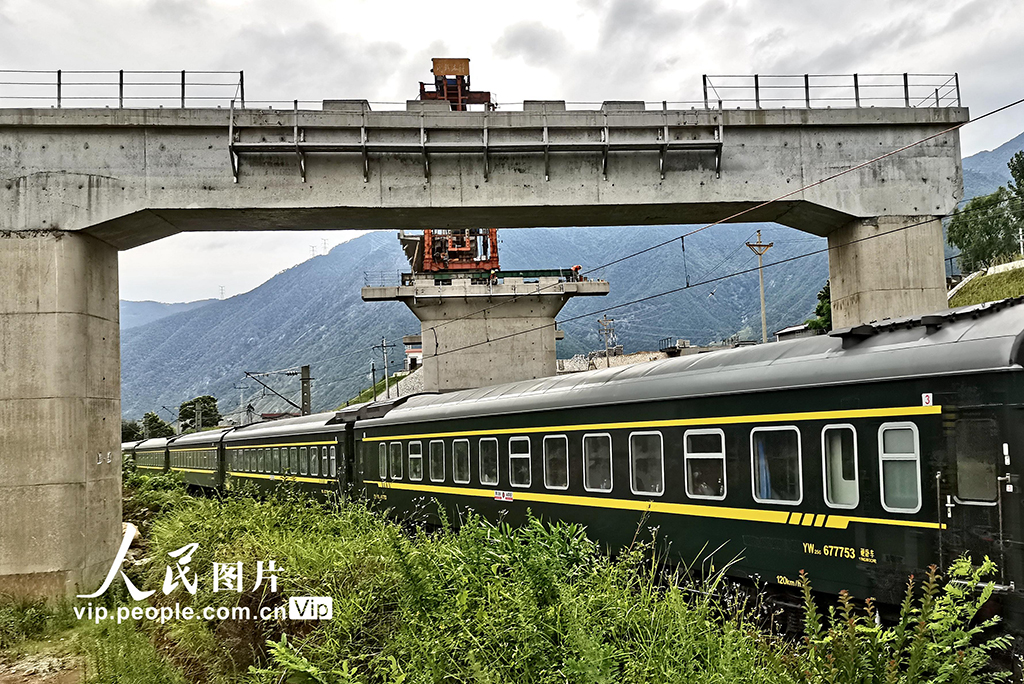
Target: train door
[{"x": 976, "y": 503}]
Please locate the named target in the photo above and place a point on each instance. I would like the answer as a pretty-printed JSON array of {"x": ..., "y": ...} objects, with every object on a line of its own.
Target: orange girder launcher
[
  {"x": 451, "y": 83},
  {"x": 471, "y": 249}
]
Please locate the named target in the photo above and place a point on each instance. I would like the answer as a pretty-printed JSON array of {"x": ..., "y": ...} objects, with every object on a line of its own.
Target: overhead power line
[
  {"x": 714, "y": 280},
  {"x": 744, "y": 212}
]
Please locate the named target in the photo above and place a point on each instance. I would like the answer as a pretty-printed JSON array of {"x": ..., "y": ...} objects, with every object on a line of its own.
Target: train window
[
  {"x": 396, "y": 460},
  {"x": 520, "y": 472},
  {"x": 489, "y": 461},
  {"x": 839, "y": 466},
  {"x": 382, "y": 460},
  {"x": 556, "y": 462},
  {"x": 646, "y": 463},
  {"x": 460, "y": 461},
  {"x": 977, "y": 449},
  {"x": 277, "y": 460},
  {"x": 597, "y": 463},
  {"x": 776, "y": 465},
  {"x": 704, "y": 455},
  {"x": 898, "y": 457},
  {"x": 323, "y": 461},
  {"x": 314, "y": 461},
  {"x": 416, "y": 461},
  {"x": 437, "y": 461},
  {"x": 334, "y": 463},
  {"x": 303, "y": 461},
  {"x": 252, "y": 460},
  {"x": 294, "y": 460},
  {"x": 260, "y": 458}
]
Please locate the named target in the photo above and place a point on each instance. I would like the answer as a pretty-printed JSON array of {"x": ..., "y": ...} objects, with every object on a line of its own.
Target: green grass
[
  {"x": 483, "y": 603},
  {"x": 990, "y": 288}
]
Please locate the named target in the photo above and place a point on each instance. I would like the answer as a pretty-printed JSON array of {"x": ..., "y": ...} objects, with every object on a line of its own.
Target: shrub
[{"x": 935, "y": 639}]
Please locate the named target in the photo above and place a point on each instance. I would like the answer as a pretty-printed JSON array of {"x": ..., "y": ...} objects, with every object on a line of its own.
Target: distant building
[
  {"x": 413, "y": 351},
  {"x": 796, "y": 331}
]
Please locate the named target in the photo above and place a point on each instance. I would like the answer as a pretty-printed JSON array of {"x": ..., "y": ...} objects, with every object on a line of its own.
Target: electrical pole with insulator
[
  {"x": 759, "y": 248},
  {"x": 307, "y": 393}
]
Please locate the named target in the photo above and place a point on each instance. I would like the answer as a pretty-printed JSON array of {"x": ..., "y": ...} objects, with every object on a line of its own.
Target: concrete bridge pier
[
  {"x": 898, "y": 272},
  {"x": 60, "y": 458}
]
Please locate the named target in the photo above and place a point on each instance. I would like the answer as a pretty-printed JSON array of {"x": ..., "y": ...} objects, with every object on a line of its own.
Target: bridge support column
[
  {"x": 892, "y": 274},
  {"x": 60, "y": 458}
]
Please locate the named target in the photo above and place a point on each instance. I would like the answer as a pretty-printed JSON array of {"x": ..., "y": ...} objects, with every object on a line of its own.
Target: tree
[
  {"x": 986, "y": 229},
  {"x": 209, "y": 416},
  {"x": 131, "y": 431},
  {"x": 823, "y": 310},
  {"x": 154, "y": 426},
  {"x": 1016, "y": 166}
]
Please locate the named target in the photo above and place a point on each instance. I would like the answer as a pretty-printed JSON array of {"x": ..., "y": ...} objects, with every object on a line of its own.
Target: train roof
[
  {"x": 317, "y": 422},
  {"x": 202, "y": 437},
  {"x": 970, "y": 339},
  {"x": 153, "y": 443}
]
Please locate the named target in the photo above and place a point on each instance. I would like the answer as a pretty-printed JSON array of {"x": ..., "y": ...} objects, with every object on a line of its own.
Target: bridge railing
[
  {"x": 181, "y": 89},
  {"x": 120, "y": 89},
  {"x": 805, "y": 91}
]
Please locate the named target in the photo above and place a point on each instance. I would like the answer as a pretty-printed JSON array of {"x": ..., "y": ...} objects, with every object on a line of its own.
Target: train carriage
[
  {"x": 860, "y": 457},
  {"x": 196, "y": 458},
  {"x": 304, "y": 450},
  {"x": 151, "y": 456}
]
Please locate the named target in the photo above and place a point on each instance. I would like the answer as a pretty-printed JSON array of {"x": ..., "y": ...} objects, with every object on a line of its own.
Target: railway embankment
[{"x": 473, "y": 602}]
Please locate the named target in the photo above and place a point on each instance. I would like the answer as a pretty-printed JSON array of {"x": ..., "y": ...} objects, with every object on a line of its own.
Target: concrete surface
[
  {"x": 465, "y": 347},
  {"x": 60, "y": 497}
]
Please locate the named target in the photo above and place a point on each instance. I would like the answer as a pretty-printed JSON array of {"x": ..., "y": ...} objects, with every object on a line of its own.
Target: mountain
[
  {"x": 313, "y": 314},
  {"x": 985, "y": 171},
  {"x": 134, "y": 314}
]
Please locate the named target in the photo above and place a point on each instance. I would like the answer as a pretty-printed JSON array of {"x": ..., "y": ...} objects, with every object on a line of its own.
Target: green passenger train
[{"x": 861, "y": 457}]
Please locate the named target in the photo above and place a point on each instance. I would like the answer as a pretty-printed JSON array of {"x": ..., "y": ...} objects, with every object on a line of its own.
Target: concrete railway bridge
[{"x": 79, "y": 184}]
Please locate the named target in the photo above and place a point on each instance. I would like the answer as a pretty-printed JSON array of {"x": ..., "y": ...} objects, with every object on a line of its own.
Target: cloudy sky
[{"x": 581, "y": 51}]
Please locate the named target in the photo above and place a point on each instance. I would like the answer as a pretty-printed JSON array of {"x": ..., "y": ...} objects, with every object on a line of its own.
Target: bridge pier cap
[{"x": 79, "y": 184}]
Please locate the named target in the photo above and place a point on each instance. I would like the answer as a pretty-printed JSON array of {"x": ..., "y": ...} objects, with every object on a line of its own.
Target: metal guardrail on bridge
[
  {"x": 140, "y": 89},
  {"x": 773, "y": 91},
  {"x": 120, "y": 89}
]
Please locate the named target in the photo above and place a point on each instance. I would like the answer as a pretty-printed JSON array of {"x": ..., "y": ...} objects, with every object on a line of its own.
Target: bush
[{"x": 934, "y": 640}]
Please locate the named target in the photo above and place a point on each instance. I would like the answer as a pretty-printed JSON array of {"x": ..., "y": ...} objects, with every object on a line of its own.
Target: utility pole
[
  {"x": 198, "y": 416},
  {"x": 384, "y": 346},
  {"x": 307, "y": 394},
  {"x": 373, "y": 378},
  {"x": 241, "y": 398},
  {"x": 759, "y": 248},
  {"x": 608, "y": 333}
]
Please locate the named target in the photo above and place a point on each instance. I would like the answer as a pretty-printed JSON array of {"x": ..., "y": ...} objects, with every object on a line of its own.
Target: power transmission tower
[
  {"x": 222, "y": 292},
  {"x": 608, "y": 333},
  {"x": 759, "y": 248},
  {"x": 384, "y": 346}
]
